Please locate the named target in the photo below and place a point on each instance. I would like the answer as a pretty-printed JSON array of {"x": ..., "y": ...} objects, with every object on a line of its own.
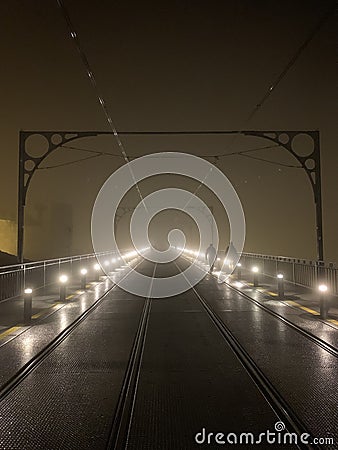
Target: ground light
[
  {"x": 27, "y": 306},
  {"x": 83, "y": 278},
  {"x": 255, "y": 271},
  {"x": 323, "y": 301},
  {"x": 97, "y": 269},
  {"x": 280, "y": 285},
  {"x": 239, "y": 271},
  {"x": 63, "y": 279}
]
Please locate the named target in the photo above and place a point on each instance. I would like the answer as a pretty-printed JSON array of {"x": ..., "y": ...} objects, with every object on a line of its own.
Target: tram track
[
  {"x": 277, "y": 402},
  {"x": 120, "y": 423},
  {"x": 320, "y": 342},
  {"x": 34, "y": 362},
  {"x": 124, "y": 410}
]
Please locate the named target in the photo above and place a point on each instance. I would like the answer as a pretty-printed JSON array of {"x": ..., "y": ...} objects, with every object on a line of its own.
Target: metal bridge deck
[{"x": 187, "y": 377}]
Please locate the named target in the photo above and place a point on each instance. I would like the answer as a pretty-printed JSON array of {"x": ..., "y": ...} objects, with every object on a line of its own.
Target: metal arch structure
[{"x": 28, "y": 163}]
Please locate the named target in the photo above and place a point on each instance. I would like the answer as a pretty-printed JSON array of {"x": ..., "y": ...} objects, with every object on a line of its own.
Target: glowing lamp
[
  {"x": 322, "y": 288},
  {"x": 63, "y": 279}
]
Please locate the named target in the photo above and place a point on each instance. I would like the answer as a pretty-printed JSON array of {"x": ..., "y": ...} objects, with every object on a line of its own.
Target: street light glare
[
  {"x": 83, "y": 271},
  {"x": 97, "y": 266},
  {"x": 63, "y": 279},
  {"x": 280, "y": 275},
  {"x": 255, "y": 269},
  {"x": 28, "y": 291},
  {"x": 322, "y": 287}
]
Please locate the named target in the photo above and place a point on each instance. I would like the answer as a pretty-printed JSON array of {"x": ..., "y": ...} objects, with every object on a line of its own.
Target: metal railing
[
  {"x": 37, "y": 275},
  {"x": 299, "y": 271},
  {"x": 14, "y": 279}
]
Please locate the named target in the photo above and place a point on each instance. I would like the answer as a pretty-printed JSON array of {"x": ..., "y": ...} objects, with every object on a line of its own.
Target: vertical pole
[
  {"x": 83, "y": 282},
  {"x": 21, "y": 200},
  {"x": 323, "y": 306},
  {"x": 317, "y": 190},
  {"x": 212, "y": 223},
  {"x": 239, "y": 271},
  {"x": 318, "y": 200},
  {"x": 280, "y": 284},
  {"x": 27, "y": 311},
  {"x": 63, "y": 291}
]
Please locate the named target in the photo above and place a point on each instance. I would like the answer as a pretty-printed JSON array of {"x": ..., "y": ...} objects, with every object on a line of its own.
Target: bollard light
[
  {"x": 97, "y": 270},
  {"x": 83, "y": 278},
  {"x": 239, "y": 271},
  {"x": 323, "y": 301},
  {"x": 280, "y": 285},
  {"x": 63, "y": 279},
  {"x": 27, "y": 305},
  {"x": 63, "y": 287},
  {"x": 255, "y": 271},
  {"x": 322, "y": 288}
]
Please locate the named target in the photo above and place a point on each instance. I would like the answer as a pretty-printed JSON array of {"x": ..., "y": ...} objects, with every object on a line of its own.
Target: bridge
[{"x": 243, "y": 358}]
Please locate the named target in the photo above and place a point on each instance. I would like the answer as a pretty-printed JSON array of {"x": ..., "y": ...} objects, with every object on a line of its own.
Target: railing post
[{"x": 44, "y": 276}]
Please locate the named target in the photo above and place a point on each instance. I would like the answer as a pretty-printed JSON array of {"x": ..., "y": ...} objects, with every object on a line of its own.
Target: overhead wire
[
  {"x": 271, "y": 162},
  {"x": 112, "y": 126},
  {"x": 282, "y": 74},
  {"x": 94, "y": 84},
  {"x": 70, "y": 147},
  {"x": 68, "y": 163},
  {"x": 209, "y": 155},
  {"x": 98, "y": 153},
  {"x": 290, "y": 63}
]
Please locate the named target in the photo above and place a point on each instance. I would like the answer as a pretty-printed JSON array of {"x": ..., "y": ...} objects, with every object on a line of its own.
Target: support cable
[
  {"x": 282, "y": 74},
  {"x": 100, "y": 98},
  {"x": 98, "y": 153}
]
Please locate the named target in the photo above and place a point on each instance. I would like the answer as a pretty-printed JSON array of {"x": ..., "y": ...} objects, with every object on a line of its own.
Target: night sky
[{"x": 178, "y": 65}]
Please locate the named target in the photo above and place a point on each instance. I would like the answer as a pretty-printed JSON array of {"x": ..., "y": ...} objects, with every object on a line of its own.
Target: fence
[
  {"x": 298, "y": 271},
  {"x": 37, "y": 275},
  {"x": 14, "y": 279}
]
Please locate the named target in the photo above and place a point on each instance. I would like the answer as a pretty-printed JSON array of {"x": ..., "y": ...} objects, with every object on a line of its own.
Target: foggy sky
[{"x": 161, "y": 66}]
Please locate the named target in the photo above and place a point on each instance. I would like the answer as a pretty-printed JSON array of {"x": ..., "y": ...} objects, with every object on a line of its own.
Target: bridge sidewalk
[
  {"x": 300, "y": 304},
  {"x": 296, "y": 295}
]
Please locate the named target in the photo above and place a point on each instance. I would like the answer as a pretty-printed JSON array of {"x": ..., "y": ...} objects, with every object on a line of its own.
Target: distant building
[{"x": 8, "y": 236}]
